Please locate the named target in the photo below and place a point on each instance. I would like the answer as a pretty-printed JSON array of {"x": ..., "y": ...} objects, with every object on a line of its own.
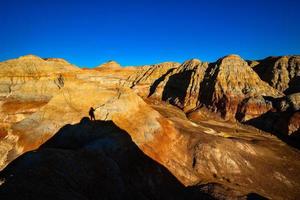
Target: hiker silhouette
[{"x": 92, "y": 114}]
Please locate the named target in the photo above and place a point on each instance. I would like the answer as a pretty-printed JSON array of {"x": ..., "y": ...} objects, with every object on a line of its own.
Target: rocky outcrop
[
  {"x": 280, "y": 118},
  {"x": 145, "y": 75},
  {"x": 31, "y": 65},
  {"x": 253, "y": 107},
  {"x": 27, "y": 84},
  {"x": 110, "y": 65},
  {"x": 252, "y": 63},
  {"x": 282, "y": 73},
  {"x": 219, "y": 86},
  {"x": 294, "y": 124},
  {"x": 229, "y": 82},
  {"x": 34, "y": 75},
  {"x": 180, "y": 86},
  {"x": 290, "y": 102}
]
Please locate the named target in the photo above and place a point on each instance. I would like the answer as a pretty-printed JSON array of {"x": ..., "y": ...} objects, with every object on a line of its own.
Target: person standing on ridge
[{"x": 92, "y": 114}]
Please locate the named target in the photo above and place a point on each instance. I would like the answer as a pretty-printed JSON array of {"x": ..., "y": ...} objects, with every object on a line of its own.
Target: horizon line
[{"x": 137, "y": 65}]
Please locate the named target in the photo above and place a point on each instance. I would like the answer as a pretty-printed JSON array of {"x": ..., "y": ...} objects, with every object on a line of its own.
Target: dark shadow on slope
[
  {"x": 220, "y": 191},
  {"x": 277, "y": 124},
  {"x": 263, "y": 68},
  {"x": 158, "y": 81},
  {"x": 254, "y": 196},
  {"x": 294, "y": 86},
  {"x": 207, "y": 86},
  {"x": 90, "y": 160},
  {"x": 176, "y": 88}
]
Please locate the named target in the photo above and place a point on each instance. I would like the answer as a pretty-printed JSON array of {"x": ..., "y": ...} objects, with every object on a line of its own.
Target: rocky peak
[
  {"x": 109, "y": 65},
  {"x": 57, "y": 60},
  {"x": 146, "y": 75},
  {"x": 220, "y": 86},
  {"x": 252, "y": 63},
  {"x": 166, "y": 65},
  {"x": 230, "y": 57},
  {"x": 235, "y": 76},
  {"x": 228, "y": 82},
  {"x": 290, "y": 102},
  {"x": 30, "y": 57},
  {"x": 190, "y": 64},
  {"x": 180, "y": 85}
]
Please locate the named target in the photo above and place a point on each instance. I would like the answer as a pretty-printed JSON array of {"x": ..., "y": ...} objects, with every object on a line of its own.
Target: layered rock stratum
[
  {"x": 282, "y": 73},
  {"x": 196, "y": 130}
]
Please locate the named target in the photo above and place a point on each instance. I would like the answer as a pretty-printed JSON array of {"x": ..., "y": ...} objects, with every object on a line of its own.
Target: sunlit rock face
[
  {"x": 108, "y": 66},
  {"x": 229, "y": 82},
  {"x": 190, "y": 123},
  {"x": 27, "y": 84},
  {"x": 219, "y": 86},
  {"x": 282, "y": 73}
]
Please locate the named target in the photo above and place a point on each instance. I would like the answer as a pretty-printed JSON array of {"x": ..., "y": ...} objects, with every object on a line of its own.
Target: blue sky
[{"x": 88, "y": 33}]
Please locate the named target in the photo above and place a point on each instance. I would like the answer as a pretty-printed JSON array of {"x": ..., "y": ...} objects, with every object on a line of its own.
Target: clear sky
[{"x": 135, "y": 32}]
